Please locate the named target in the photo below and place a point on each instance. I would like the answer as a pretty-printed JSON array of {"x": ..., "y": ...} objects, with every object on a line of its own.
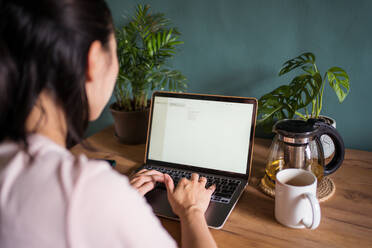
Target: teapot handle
[{"x": 339, "y": 155}]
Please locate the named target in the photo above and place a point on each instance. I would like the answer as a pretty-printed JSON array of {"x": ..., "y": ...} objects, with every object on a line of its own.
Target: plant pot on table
[{"x": 130, "y": 126}]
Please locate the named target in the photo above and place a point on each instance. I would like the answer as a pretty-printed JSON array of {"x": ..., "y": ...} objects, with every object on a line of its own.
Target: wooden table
[{"x": 346, "y": 217}]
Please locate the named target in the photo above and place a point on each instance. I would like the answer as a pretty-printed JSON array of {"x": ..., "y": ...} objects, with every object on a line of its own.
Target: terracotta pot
[{"x": 130, "y": 127}]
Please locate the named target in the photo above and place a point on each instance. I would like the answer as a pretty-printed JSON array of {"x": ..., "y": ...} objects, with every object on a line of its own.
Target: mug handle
[{"x": 315, "y": 210}]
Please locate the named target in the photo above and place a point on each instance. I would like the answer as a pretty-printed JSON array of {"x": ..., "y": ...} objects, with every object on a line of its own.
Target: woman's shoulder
[
  {"x": 52, "y": 171},
  {"x": 98, "y": 204},
  {"x": 104, "y": 202}
]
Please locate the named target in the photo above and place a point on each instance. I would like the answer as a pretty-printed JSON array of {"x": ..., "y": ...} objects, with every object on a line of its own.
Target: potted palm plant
[
  {"x": 144, "y": 45},
  {"x": 307, "y": 89}
]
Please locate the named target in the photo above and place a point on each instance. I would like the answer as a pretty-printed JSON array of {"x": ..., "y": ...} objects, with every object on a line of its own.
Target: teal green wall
[{"x": 237, "y": 47}]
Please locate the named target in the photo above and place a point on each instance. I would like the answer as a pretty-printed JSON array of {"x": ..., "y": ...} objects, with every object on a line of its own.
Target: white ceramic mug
[{"x": 296, "y": 205}]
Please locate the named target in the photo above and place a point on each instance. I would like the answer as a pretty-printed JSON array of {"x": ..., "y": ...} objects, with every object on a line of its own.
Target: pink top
[{"x": 57, "y": 200}]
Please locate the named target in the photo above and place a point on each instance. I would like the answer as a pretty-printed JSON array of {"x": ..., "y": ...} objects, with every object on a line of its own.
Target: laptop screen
[{"x": 204, "y": 133}]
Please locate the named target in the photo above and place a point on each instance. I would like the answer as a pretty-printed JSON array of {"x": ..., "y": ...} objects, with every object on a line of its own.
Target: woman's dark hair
[{"x": 44, "y": 45}]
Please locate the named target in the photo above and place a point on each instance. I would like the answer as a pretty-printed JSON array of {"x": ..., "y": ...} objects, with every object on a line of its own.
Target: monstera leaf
[
  {"x": 273, "y": 107},
  {"x": 274, "y": 104},
  {"x": 284, "y": 101},
  {"x": 339, "y": 81},
  {"x": 303, "y": 59},
  {"x": 287, "y": 100},
  {"x": 304, "y": 89}
]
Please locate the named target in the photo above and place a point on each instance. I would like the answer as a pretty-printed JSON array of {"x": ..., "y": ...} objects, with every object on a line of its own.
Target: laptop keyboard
[{"x": 225, "y": 187}]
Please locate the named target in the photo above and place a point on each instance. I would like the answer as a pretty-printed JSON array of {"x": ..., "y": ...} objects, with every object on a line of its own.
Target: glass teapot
[{"x": 297, "y": 145}]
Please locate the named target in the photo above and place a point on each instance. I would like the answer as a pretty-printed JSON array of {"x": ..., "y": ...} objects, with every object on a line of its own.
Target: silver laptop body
[{"x": 206, "y": 134}]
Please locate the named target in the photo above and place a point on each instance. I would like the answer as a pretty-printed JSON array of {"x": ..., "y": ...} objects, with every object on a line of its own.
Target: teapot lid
[{"x": 295, "y": 128}]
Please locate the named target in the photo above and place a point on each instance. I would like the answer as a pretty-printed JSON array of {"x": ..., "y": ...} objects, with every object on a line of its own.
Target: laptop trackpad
[
  {"x": 158, "y": 200},
  {"x": 215, "y": 215}
]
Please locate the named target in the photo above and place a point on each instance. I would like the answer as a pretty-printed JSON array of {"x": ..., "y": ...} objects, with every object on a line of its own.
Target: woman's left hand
[{"x": 145, "y": 180}]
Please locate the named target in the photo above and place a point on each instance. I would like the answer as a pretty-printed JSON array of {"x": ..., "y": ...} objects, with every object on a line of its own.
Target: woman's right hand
[{"x": 189, "y": 196}]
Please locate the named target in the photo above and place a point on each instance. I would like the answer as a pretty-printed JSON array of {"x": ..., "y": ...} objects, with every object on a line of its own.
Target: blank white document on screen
[{"x": 203, "y": 133}]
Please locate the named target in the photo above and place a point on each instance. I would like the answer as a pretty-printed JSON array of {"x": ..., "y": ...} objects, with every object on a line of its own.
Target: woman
[{"x": 58, "y": 68}]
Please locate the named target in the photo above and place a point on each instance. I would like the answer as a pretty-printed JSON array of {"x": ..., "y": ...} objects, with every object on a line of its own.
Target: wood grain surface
[{"x": 346, "y": 217}]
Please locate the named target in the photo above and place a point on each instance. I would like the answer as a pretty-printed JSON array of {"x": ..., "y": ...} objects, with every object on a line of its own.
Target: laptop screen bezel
[{"x": 247, "y": 100}]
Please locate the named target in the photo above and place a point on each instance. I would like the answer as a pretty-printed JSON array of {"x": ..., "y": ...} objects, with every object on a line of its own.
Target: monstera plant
[{"x": 303, "y": 96}]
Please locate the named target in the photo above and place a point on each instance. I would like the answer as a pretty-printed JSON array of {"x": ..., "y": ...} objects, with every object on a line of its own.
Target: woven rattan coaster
[{"x": 326, "y": 189}]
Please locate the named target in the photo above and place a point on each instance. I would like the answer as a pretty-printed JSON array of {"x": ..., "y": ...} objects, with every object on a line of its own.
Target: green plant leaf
[
  {"x": 154, "y": 46},
  {"x": 339, "y": 81},
  {"x": 159, "y": 41},
  {"x": 169, "y": 35},
  {"x": 304, "y": 89},
  {"x": 305, "y": 58},
  {"x": 272, "y": 103},
  {"x": 149, "y": 47},
  {"x": 173, "y": 43},
  {"x": 309, "y": 69},
  {"x": 164, "y": 36},
  {"x": 286, "y": 100}
]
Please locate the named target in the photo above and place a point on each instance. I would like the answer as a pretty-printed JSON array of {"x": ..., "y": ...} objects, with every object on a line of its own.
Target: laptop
[{"x": 205, "y": 134}]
